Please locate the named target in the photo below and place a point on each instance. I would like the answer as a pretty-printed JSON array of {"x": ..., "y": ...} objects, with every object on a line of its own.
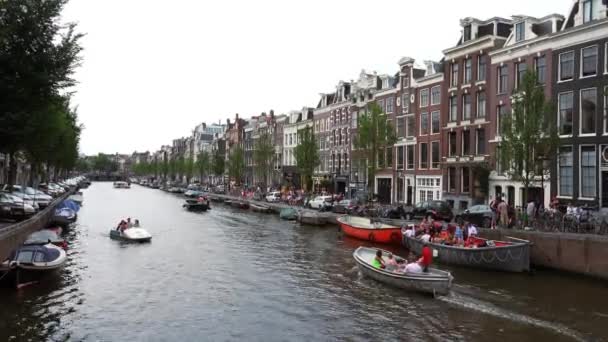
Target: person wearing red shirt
[{"x": 427, "y": 258}]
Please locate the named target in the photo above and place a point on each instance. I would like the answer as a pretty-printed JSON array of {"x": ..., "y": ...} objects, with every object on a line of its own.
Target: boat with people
[
  {"x": 130, "y": 232},
  {"x": 197, "y": 204},
  {"x": 434, "y": 281},
  {"x": 365, "y": 229},
  {"x": 312, "y": 218},
  {"x": 288, "y": 214},
  {"x": 121, "y": 185},
  {"x": 476, "y": 252},
  {"x": 29, "y": 263},
  {"x": 260, "y": 208}
]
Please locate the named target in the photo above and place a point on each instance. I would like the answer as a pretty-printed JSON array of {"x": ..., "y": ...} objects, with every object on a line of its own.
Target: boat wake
[{"x": 471, "y": 303}]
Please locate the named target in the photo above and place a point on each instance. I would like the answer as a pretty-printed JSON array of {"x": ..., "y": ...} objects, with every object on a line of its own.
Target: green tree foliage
[
  {"x": 374, "y": 134},
  {"x": 188, "y": 169},
  {"x": 307, "y": 156},
  {"x": 203, "y": 164},
  {"x": 38, "y": 55},
  {"x": 263, "y": 157},
  {"x": 103, "y": 163},
  {"x": 529, "y": 132},
  {"x": 236, "y": 164},
  {"x": 218, "y": 164}
]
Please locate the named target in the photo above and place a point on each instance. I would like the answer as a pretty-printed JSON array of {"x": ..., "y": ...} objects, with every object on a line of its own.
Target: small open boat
[
  {"x": 29, "y": 263},
  {"x": 495, "y": 255},
  {"x": 436, "y": 282},
  {"x": 63, "y": 217},
  {"x": 312, "y": 218},
  {"x": 260, "y": 208},
  {"x": 122, "y": 185},
  {"x": 364, "y": 229},
  {"x": 131, "y": 235},
  {"x": 240, "y": 204},
  {"x": 196, "y": 205},
  {"x": 288, "y": 214}
]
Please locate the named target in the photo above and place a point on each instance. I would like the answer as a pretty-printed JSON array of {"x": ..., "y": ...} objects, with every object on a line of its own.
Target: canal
[{"x": 234, "y": 275}]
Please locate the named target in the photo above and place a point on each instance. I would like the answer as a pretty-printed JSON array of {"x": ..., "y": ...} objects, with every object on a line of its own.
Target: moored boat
[
  {"x": 364, "y": 229},
  {"x": 134, "y": 234},
  {"x": 260, "y": 208},
  {"x": 196, "y": 204},
  {"x": 436, "y": 282},
  {"x": 122, "y": 185},
  {"x": 494, "y": 255},
  {"x": 288, "y": 214},
  {"x": 77, "y": 198},
  {"x": 29, "y": 263},
  {"x": 312, "y": 218},
  {"x": 63, "y": 217}
]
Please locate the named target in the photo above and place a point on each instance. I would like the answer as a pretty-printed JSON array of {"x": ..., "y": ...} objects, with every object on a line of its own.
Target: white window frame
[
  {"x": 423, "y": 91},
  {"x": 536, "y": 68},
  {"x": 435, "y": 103},
  {"x": 450, "y": 113},
  {"x": 580, "y": 113},
  {"x": 580, "y": 171},
  {"x": 407, "y": 157},
  {"x": 462, "y": 180},
  {"x": 455, "y": 152},
  {"x": 499, "y": 89},
  {"x": 477, "y": 106},
  {"x": 464, "y": 70},
  {"x": 590, "y": 2},
  {"x": 427, "y": 122},
  {"x": 559, "y": 176},
  {"x": 462, "y": 143},
  {"x": 597, "y": 57},
  {"x": 523, "y": 26},
  {"x": 454, "y": 79},
  {"x": 420, "y": 156},
  {"x": 402, "y": 147},
  {"x": 605, "y": 118},
  {"x": 479, "y": 59},
  {"x": 477, "y": 141},
  {"x": 439, "y": 117},
  {"x": 559, "y": 66},
  {"x": 390, "y": 100},
  {"x": 606, "y": 59},
  {"x": 464, "y": 96},
  {"x": 438, "y": 152},
  {"x": 559, "y": 114}
]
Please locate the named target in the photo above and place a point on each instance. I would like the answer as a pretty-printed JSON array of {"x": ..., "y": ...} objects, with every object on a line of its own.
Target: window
[
  {"x": 389, "y": 156},
  {"x": 401, "y": 127},
  {"x": 606, "y": 110},
  {"x": 436, "y": 95},
  {"x": 500, "y": 112},
  {"x": 466, "y": 106},
  {"x": 587, "y": 11},
  {"x": 503, "y": 79},
  {"x": 451, "y": 179},
  {"x": 467, "y": 33},
  {"x": 481, "y": 141},
  {"x": 588, "y": 110},
  {"x": 454, "y": 78},
  {"x": 468, "y": 70},
  {"x": 520, "y": 31},
  {"x": 520, "y": 73},
  {"x": 410, "y": 126},
  {"x": 481, "y": 68},
  {"x": 400, "y": 158},
  {"x": 406, "y": 81},
  {"x": 465, "y": 179},
  {"x": 422, "y": 195},
  {"x": 389, "y": 104},
  {"x": 435, "y": 122},
  {"x": 405, "y": 103},
  {"x": 565, "y": 108},
  {"x": 410, "y": 157},
  {"x": 353, "y": 119},
  {"x": 453, "y": 108},
  {"x": 424, "y": 123},
  {"x": 451, "y": 144},
  {"x": 424, "y": 156},
  {"x": 540, "y": 67},
  {"x": 589, "y": 61},
  {"x": 435, "y": 155},
  {"x": 588, "y": 171},
  {"x": 424, "y": 98},
  {"x": 481, "y": 104},
  {"x": 566, "y": 66},
  {"x": 466, "y": 143}
]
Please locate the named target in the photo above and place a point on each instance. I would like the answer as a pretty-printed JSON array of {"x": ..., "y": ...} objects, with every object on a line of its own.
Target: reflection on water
[{"x": 228, "y": 274}]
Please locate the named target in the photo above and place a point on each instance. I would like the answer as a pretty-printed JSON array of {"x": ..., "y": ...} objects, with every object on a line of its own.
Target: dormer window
[
  {"x": 467, "y": 33},
  {"x": 520, "y": 32},
  {"x": 587, "y": 11}
]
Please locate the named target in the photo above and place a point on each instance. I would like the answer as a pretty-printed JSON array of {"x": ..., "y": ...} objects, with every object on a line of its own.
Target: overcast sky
[{"x": 152, "y": 70}]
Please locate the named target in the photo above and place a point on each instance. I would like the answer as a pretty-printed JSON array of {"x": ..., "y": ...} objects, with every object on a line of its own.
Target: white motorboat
[
  {"x": 122, "y": 185},
  {"x": 131, "y": 235},
  {"x": 29, "y": 263}
]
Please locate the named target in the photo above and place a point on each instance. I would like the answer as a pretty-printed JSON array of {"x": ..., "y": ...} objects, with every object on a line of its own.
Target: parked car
[
  {"x": 13, "y": 207},
  {"x": 320, "y": 202},
  {"x": 274, "y": 196},
  {"x": 26, "y": 199},
  {"x": 345, "y": 206},
  {"x": 439, "y": 210},
  {"x": 479, "y": 215}
]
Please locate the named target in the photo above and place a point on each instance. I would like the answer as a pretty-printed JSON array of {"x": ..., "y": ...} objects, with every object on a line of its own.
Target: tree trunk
[
  {"x": 32, "y": 176},
  {"x": 12, "y": 170}
]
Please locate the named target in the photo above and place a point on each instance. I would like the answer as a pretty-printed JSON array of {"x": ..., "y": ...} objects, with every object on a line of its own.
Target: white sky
[{"x": 152, "y": 70}]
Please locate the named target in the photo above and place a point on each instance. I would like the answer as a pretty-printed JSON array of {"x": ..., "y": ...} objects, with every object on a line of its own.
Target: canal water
[{"x": 229, "y": 274}]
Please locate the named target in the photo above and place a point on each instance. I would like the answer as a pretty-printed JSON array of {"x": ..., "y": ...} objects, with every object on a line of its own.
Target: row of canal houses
[{"x": 447, "y": 115}]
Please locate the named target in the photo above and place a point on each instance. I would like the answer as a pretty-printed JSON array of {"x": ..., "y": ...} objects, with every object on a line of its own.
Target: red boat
[{"x": 362, "y": 228}]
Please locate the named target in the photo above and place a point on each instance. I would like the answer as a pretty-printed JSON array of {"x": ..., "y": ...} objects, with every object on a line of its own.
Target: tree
[
  {"x": 203, "y": 164},
  {"x": 188, "y": 169},
  {"x": 263, "y": 157},
  {"x": 307, "y": 156},
  {"x": 218, "y": 164},
  {"x": 374, "y": 134},
  {"x": 236, "y": 164},
  {"x": 38, "y": 55},
  {"x": 529, "y": 133},
  {"x": 103, "y": 163}
]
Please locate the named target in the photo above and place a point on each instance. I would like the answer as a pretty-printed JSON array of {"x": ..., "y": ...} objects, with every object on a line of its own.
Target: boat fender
[{"x": 371, "y": 237}]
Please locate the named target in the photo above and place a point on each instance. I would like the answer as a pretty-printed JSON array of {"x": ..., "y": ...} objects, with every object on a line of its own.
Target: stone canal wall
[
  {"x": 12, "y": 236},
  {"x": 578, "y": 253}
]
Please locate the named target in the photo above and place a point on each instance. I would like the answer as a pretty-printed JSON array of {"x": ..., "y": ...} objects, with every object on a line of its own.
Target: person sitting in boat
[
  {"x": 458, "y": 234},
  {"x": 129, "y": 223},
  {"x": 391, "y": 262},
  {"x": 123, "y": 226},
  {"x": 426, "y": 237},
  {"x": 471, "y": 230},
  {"x": 136, "y": 224},
  {"x": 120, "y": 225},
  {"x": 378, "y": 262},
  {"x": 427, "y": 258},
  {"x": 413, "y": 267}
]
